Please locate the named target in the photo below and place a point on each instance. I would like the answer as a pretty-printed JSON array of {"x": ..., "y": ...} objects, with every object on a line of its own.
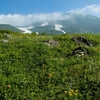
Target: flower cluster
[{"x": 71, "y": 92}]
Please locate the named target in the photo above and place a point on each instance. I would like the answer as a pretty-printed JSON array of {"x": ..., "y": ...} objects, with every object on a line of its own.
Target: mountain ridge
[
  {"x": 72, "y": 23},
  {"x": 9, "y": 27},
  {"x": 75, "y": 24}
]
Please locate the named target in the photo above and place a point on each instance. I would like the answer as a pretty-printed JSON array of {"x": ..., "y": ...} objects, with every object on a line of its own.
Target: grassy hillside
[
  {"x": 33, "y": 69},
  {"x": 9, "y": 27}
]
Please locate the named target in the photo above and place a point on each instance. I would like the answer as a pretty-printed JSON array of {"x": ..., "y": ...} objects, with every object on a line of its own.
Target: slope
[
  {"x": 9, "y": 27},
  {"x": 42, "y": 67}
]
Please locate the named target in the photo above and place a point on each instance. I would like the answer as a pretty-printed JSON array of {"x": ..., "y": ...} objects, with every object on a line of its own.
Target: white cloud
[
  {"x": 77, "y": 11},
  {"x": 16, "y": 19},
  {"x": 20, "y": 20},
  {"x": 93, "y": 8},
  {"x": 89, "y": 9}
]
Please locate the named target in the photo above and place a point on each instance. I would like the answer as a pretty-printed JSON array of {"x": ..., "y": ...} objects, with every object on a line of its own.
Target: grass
[{"x": 32, "y": 70}]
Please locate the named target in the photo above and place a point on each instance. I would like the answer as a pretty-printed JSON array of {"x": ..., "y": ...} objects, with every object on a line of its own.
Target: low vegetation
[{"x": 30, "y": 69}]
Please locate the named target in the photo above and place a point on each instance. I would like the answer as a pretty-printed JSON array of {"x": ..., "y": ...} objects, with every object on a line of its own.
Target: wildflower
[
  {"x": 65, "y": 92},
  {"x": 70, "y": 94},
  {"x": 75, "y": 94},
  {"x": 8, "y": 86},
  {"x": 50, "y": 75},
  {"x": 76, "y": 90},
  {"x": 71, "y": 91},
  {"x": 32, "y": 93},
  {"x": 90, "y": 68},
  {"x": 79, "y": 55},
  {"x": 82, "y": 53}
]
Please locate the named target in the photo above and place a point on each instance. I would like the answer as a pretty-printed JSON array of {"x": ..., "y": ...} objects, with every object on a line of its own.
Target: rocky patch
[
  {"x": 82, "y": 40},
  {"x": 51, "y": 43},
  {"x": 80, "y": 51}
]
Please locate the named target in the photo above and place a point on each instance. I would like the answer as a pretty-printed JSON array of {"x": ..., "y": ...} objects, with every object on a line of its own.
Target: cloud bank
[
  {"x": 21, "y": 20},
  {"x": 89, "y": 9}
]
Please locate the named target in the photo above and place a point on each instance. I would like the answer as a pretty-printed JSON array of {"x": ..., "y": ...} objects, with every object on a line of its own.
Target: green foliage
[{"x": 30, "y": 69}]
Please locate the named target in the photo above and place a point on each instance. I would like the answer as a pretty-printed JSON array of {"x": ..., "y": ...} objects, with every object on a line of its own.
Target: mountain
[
  {"x": 76, "y": 24},
  {"x": 9, "y": 27},
  {"x": 70, "y": 23}
]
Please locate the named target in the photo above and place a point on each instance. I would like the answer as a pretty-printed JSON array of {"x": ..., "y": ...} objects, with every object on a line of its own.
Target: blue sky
[
  {"x": 42, "y": 6},
  {"x": 22, "y": 12}
]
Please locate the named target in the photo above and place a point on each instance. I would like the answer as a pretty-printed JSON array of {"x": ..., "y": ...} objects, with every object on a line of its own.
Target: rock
[
  {"x": 52, "y": 43},
  {"x": 81, "y": 40},
  {"x": 5, "y": 41},
  {"x": 80, "y": 51}
]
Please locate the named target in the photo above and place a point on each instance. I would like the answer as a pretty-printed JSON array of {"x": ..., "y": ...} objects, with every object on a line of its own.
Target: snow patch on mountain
[
  {"x": 58, "y": 28},
  {"x": 29, "y": 27},
  {"x": 45, "y": 23},
  {"x": 26, "y": 29}
]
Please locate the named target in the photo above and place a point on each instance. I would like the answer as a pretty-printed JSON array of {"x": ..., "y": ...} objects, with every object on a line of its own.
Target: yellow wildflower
[
  {"x": 90, "y": 68},
  {"x": 65, "y": 92},
  {"x": 75, "y": 94},
  {"x": 70, "y": 94},
  {"x": 50, "y": 75},
  {"x": 71, "y": 91},
  {"x": 8, "y": 86},
  {"x": 32, "y": 93},
  {"x": 43, "y": 70},
  {"x": 76, "y": 90}
]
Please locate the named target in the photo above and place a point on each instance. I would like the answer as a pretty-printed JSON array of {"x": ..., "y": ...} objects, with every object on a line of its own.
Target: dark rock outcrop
[
  {"x": 80, "y": 51},
  {"x": 81, "y": 40}
]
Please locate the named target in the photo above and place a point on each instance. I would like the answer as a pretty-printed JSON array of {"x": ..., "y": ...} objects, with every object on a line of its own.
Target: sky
[{"x": 25, "y": 12}]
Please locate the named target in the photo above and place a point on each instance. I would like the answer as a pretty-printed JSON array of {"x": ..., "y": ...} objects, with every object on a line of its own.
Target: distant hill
[{"x": 9, "y": 27}]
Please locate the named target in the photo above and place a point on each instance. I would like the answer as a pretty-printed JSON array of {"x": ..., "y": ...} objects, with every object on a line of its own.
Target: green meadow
[{"x": 33, "y": 69}]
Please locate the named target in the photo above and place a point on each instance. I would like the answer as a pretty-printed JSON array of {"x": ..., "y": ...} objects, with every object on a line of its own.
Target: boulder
[
  {"x": 81, "y": 40},
  {"x": 80, "y": 51}
]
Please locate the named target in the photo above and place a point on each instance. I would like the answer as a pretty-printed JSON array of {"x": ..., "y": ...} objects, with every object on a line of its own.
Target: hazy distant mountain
[
  {"x": 9, "y": 27},
  {"x": 77, "y": 24},
  {"x": 72, "y": 23}
]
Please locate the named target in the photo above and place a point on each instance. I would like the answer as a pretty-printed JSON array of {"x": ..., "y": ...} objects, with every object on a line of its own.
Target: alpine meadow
[{"x": 49, "y": 67}]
